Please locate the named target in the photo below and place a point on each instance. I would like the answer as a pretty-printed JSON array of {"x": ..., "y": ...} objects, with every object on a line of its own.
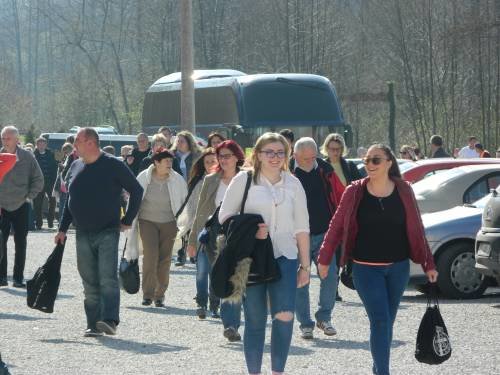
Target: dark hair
[
  {"x": 213, "y": 135},
  {"x": 41, "y": 139},
  {"x": 198, "y": 168},
  {"x": 472, "y": 137},
  {"x": 479, "y": 146},
  {"x": 70, "y": 139},
  {"x": 288, "y": 134},
  {"x": 436, "y": 140},
  {"x": 235, "y": 149},
  {"x": 91, "y": 133},
  {"x": 161, "y": 154},
  {"x": 394, "y": 169},
  {"x": 109, "y": 149},
  {"x": 163, "y": 128}
]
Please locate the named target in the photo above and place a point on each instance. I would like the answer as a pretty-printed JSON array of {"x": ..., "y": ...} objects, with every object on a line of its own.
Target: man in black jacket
[
  {"x": 316, "y": 177},
  {"x": 437, "y": 150},
  {"x": 48, "y": 164}
]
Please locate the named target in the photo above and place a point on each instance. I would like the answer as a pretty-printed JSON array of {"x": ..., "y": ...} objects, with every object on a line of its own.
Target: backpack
[{"x": 433, "y": 343}]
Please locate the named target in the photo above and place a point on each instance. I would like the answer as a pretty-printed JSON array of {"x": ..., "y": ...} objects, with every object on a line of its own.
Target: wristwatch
[{"x": 305, "y": 268}]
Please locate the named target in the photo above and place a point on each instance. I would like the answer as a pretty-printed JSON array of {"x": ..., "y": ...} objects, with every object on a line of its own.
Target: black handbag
[
  {"x": 346, "y": 275},
  {"x": 433, "y": 343},
  {"x": 129, "y": 273},
  {"x": 41, "y": 290}
]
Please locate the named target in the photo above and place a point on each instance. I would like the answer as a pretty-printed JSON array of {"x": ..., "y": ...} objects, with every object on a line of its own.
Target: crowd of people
[{"x": 306, "y": 204}]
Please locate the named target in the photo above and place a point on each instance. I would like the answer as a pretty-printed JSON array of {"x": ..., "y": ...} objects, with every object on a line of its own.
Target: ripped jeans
[{"x": 281, "y": 295}]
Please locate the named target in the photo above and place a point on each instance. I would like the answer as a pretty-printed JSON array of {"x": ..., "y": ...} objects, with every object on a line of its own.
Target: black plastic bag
[
  {"x": 433, "y": 343},
  {"x": 129, "y": 274},
  {"x": 43, "y": 287}
]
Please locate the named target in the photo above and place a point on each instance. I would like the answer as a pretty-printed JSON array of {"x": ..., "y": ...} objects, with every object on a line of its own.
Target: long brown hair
[
  {"x": 264, "y": 140},
  {"x": 198, "y": 168},
  {"x": 394, "y": 169}
]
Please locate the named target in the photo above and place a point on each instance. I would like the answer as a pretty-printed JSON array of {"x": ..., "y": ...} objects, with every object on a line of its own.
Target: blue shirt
[{"x": 94, "y": 195}]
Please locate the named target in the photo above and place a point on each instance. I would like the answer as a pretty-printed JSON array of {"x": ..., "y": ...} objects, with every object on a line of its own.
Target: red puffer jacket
[{"x": 344, "y": 227}]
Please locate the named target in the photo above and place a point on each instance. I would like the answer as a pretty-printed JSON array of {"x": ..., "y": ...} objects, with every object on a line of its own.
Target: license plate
[{"x": 484, "y": 249}]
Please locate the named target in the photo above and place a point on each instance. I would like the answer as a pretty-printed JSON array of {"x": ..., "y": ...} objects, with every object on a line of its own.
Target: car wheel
[{"x": 457, "y": 276}]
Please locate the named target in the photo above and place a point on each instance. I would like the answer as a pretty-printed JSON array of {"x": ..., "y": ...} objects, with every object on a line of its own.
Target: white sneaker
[
  {"x": 327, "y": 328},
  {"x": 307, "y": 333}
]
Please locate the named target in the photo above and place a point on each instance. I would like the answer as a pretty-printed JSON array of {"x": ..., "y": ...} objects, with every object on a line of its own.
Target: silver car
[
  {"x": 451, "y": 235},
  {"x": 456, "y": 186}
]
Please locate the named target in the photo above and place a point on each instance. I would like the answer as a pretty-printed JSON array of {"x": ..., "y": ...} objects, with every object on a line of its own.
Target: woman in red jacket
[{"x": 380, "y": 228}]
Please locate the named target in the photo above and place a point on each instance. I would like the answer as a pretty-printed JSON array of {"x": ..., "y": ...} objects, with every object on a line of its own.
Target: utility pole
[{"x": 187, "y": 90}]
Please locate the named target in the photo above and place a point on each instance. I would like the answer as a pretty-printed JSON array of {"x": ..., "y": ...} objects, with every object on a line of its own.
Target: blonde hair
[
  {"x": 264, "y": 140},
  {"x": 159, "y": 138},
  {"x": 409, "y": 150},
  {"x": 333, "y": 137}
]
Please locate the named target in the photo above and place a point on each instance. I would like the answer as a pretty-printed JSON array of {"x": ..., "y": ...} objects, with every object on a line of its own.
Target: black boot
[{"x": 181, "y": 257}]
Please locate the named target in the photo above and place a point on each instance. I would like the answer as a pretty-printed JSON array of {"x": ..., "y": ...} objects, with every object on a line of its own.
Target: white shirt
[
  {"x": 283, "y": 206},
  {"x": 219, "y": 196},
  {"x": 467, "y": 152}
]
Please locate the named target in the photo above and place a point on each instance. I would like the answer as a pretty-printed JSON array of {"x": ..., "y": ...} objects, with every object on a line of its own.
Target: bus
[
  {"x": 56, "y": 140},
  {"x": 243, "y": 106}
]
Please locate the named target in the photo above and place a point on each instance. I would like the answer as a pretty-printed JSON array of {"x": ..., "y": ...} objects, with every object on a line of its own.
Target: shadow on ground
[
  {"x": 7, "y": 316},
  {"x": 294, "y": 350},
  {"x": 122, "y": 345},
  {"x": 350, "y": 345},
  {"x": 168, "y": 310}
]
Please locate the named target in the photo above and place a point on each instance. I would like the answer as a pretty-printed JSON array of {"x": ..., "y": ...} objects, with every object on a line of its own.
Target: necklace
[{"x": 381, "y": 204}]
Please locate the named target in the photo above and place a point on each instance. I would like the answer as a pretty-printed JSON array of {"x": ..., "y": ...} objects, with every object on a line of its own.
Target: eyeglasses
[
  {"x": 270, "y": 154},
  {"x": 376, "y": 160},
  {"x": 224, "y": 156},
  {"x": 333, "y": 149}
]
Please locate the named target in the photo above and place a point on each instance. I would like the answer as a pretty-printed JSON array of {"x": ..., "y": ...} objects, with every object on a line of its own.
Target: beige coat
[{"x": 206, "y": 205}]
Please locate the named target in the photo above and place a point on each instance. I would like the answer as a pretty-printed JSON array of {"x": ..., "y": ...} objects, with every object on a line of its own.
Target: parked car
[
  {"x": 456, "y": 186},
  {"x": 488, "y": 238},
  {"x": 424, "y": 168},
  {"x": 451, "y": 234}
]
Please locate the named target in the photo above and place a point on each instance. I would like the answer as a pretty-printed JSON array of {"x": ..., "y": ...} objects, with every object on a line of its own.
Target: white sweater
[{"x": 177, "y": 189}]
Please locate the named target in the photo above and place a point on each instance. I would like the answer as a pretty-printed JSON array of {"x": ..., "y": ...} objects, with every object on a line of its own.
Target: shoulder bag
[{"x": 129, "y": 273}]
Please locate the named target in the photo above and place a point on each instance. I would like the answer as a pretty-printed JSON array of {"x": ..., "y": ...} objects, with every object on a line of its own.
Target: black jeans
[
  {"x": 38, "y": 206},
  {"x": 18, "y": 220}
]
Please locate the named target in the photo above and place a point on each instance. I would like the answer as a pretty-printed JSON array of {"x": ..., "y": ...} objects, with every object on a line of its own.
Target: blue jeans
[
  {"x": 230, "y": 313},
  {"x": 282, "y": 299},
  {"x": 97, "y": 262},
  {"x": 204, "y": 291},
  {"x": 380, "y": 289},
  {"x": 327, "y": 290}
]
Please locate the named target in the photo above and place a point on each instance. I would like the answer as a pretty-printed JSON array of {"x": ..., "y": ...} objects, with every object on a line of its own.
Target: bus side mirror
[{"x": 348, "y": 135}]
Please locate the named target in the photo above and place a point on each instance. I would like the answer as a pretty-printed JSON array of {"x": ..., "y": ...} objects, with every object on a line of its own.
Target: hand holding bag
[
  {"x": 129, "y": 273},
  {"x": 433, "y": 342}
]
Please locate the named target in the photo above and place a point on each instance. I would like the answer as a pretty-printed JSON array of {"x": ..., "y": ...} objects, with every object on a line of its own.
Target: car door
[{"x": 481, "y": 187}]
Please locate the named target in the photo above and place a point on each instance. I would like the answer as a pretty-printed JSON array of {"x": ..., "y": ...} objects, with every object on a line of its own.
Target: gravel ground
[{"x": 172, "y": 340}]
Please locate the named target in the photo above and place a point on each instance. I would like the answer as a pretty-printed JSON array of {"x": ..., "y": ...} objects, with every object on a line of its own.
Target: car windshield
[
  {"x": 404, "y": 166},
  {"x": 437, "y": 180}
]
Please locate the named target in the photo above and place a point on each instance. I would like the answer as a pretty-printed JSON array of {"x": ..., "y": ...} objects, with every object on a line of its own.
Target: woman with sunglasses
[
  {"x": 231, "y": 158},
  {"x": 379, "y": 225},
  {"x": 407, "y": 153},
  {"x": 280, "y": 199},
  {"x": 335, "y": 150}
]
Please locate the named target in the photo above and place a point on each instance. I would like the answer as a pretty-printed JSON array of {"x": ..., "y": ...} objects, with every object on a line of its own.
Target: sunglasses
[{"x": 376, "y": 160}]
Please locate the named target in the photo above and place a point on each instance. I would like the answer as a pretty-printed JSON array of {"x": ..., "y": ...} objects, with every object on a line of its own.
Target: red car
[{"x": 418, "y": 170}]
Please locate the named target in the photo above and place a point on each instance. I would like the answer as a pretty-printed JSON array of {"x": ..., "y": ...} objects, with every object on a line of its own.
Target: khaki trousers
[{"x": 157, "y": 241}]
